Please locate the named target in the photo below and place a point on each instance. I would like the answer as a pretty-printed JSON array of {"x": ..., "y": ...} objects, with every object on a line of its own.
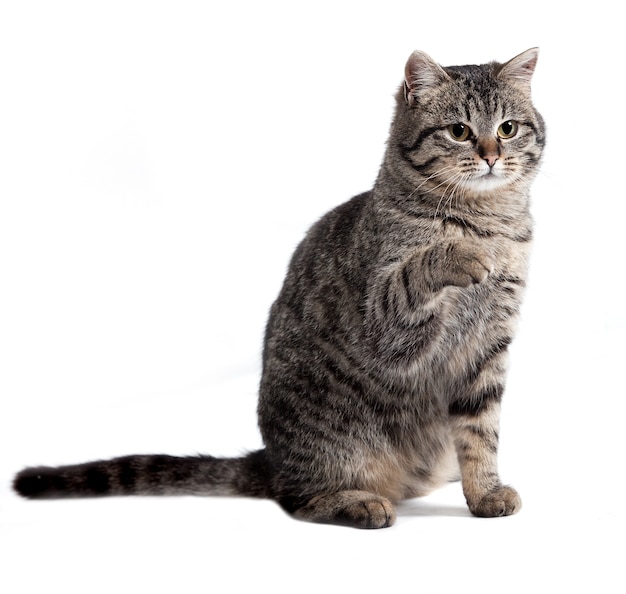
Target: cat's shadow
[{"x": 429, "y": 508}]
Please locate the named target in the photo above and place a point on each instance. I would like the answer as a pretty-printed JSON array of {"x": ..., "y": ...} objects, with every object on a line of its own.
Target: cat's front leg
[{"x": 475, "y": 430}]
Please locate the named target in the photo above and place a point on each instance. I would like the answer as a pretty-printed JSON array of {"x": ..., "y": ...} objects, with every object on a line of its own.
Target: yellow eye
[
  {"x": 508, "y": 129},
  {"x": 459, "y": 132}
]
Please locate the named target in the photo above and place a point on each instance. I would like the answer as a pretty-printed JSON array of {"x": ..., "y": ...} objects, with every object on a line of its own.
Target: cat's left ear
[
  {"x": 519, "y": 71},
  {"x": 420, "y": 74}
]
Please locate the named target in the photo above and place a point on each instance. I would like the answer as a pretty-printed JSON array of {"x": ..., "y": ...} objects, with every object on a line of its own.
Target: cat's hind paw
[{"x": 358, "y": 509}]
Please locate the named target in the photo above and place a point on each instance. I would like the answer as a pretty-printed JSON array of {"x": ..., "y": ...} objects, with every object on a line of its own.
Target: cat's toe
[
  {"x": 504, "y": 501},
  {"x": 358, "y": 509},
  {"x": 372, "y": 513}
]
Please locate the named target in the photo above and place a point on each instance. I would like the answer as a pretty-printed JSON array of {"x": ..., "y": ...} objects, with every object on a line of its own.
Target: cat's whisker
[
  {"x": 437, "y": 173},
  {"x": 463, "y": 187},
  {"x": 452, "y": 183}
]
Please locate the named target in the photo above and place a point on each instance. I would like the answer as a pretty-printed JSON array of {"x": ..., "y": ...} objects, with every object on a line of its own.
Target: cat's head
[{"x": 468, "y": 131}]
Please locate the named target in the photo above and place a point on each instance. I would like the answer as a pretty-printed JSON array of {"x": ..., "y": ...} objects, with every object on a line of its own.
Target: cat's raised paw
[
  {"x": 503, "y": 501},
  {"x": 467, "y": 263}
]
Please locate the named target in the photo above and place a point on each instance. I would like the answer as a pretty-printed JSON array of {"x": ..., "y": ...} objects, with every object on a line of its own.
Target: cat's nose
[
  {"x": 491, "y": 159},
  {"x": 489, "y": 150}
]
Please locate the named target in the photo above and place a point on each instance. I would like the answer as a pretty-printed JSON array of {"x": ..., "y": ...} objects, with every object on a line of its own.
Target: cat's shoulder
[{"x": 341, "y": 220}]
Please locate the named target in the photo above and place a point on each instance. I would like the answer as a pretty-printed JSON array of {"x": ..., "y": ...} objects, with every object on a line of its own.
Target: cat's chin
[{"x": 488, "y": 183}]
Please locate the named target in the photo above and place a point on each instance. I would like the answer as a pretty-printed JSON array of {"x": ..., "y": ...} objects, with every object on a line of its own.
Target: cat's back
[
  {"x": 315, "y": 327},
  {"x": 333, "y": 256}
]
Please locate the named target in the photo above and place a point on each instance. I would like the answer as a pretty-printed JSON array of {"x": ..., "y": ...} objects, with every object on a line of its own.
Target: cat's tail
[{"x": 150, "y": 475}]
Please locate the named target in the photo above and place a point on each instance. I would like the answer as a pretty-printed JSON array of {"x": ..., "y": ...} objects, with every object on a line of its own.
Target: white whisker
[{"x": 438, "y": 173}]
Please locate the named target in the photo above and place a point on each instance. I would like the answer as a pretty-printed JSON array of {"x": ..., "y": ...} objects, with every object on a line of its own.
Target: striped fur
[{"x": 386, "y": 350}]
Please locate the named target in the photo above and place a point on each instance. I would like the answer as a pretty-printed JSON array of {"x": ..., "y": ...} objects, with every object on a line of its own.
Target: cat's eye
[
  {"x": 459, "y": 132},
  {"x": 508, "y": 129}
]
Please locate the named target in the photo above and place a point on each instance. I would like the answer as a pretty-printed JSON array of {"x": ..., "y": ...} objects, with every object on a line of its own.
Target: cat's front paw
[
  {"x": 503, "y": 501},
  {"x": 466, "y": 263}
]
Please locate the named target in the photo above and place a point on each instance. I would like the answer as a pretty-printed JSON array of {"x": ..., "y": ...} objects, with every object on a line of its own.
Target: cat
[{"x": 385, "y": 353}]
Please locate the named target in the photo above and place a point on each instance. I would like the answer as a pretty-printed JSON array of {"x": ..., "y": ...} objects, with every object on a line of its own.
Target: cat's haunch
[{"x": 385, "y": 353}]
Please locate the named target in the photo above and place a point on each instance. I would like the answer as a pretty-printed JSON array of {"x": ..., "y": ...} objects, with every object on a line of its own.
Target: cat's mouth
[{"x": 488, "y": 180}]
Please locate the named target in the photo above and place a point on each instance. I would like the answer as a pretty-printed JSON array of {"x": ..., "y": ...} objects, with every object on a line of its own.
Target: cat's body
[{"x": 385, "y": 352}]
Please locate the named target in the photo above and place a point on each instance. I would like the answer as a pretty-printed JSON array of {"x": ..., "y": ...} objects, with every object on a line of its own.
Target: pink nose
[{"x": 491, "y": 159}]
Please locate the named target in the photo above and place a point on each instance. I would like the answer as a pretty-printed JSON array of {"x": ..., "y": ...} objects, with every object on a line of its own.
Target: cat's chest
[
  {"x": 484, "y": 313},
  {"x": 510, "y": 256}
]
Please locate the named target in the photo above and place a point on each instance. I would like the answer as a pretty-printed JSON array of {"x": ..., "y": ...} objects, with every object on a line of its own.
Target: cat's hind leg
[{"x": 357, "y": 509}]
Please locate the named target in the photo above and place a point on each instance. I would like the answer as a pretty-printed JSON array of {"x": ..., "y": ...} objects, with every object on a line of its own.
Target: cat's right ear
[{"x": 420, "y": 74}]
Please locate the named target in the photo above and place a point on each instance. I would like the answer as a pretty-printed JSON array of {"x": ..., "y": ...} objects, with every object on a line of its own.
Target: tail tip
[{"x": 33, "y": 483}]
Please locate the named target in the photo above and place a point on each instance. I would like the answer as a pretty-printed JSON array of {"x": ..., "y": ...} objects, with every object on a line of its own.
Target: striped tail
[{"x": 149, "y": 475}]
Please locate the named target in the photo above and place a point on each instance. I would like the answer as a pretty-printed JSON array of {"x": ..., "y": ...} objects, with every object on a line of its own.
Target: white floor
[
  {"x": 567, "y": 534},
  {"x": 158, "y": 164}
]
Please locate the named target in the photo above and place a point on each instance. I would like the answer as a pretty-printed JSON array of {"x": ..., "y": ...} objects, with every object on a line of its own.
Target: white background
[{"x": 159, "y": 161}]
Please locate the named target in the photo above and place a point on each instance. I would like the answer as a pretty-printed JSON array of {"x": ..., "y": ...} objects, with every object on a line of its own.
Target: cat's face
[{"x": 471, "y": 131}]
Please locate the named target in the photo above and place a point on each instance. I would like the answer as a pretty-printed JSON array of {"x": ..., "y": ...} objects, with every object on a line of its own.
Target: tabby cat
[{"x": 385, "y": 353}]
